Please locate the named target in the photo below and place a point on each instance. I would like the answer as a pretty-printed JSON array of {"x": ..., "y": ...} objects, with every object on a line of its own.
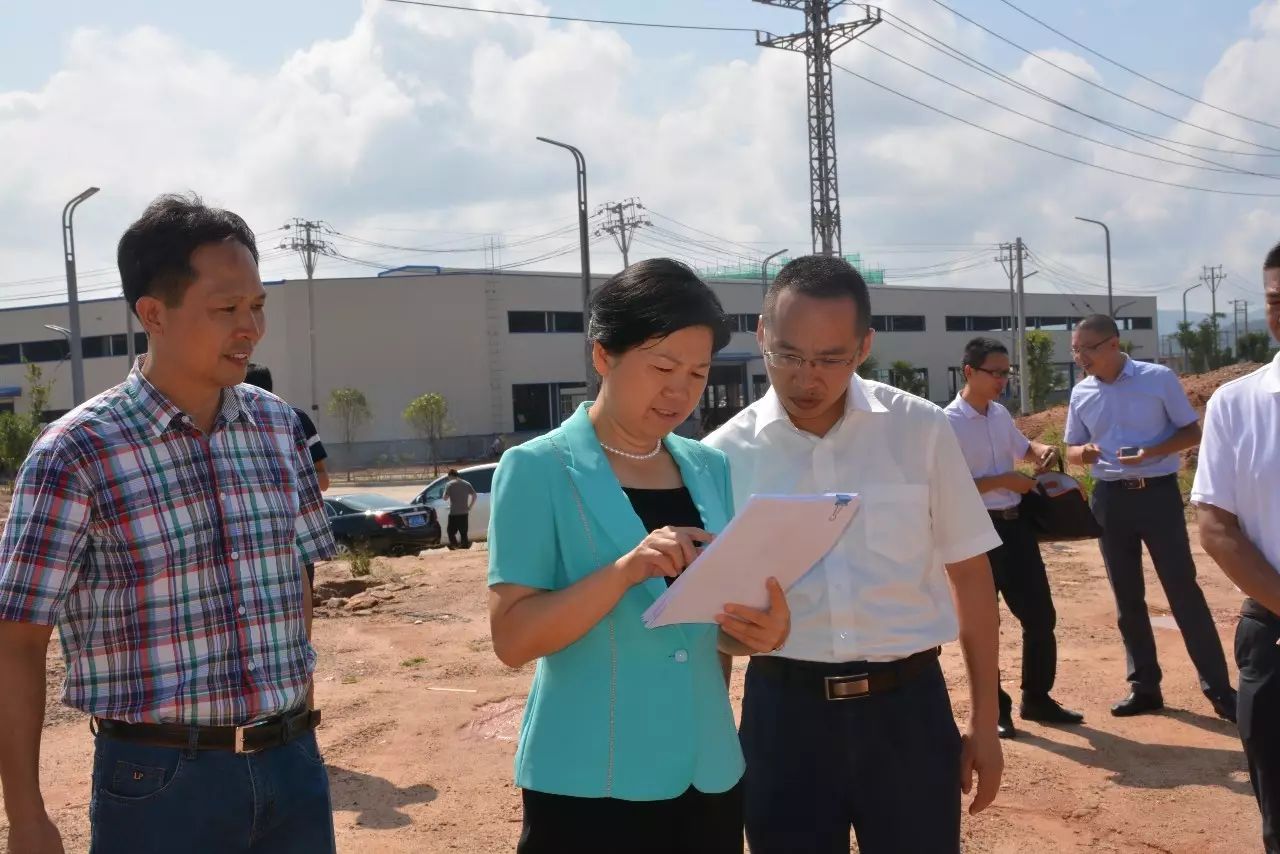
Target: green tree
[
  {"x": 867, "y": 370},
  {"x": 351, "y": 409},
  {"x": 1254, "y": 346},
  {"x": 1039, "y": 374},
  {"x": 906, "y": 376},
  {"x": 427, "y": 415},
  {"x": 18, "y": 431},
  {"x": 1199, "y": 343}
]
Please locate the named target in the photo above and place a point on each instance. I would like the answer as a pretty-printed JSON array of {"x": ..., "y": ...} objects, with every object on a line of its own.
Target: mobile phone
[{"x": 1129, "y": 451}]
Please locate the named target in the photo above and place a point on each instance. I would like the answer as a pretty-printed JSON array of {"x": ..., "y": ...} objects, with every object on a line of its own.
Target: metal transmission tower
[
  {"x": 1212, "y": 277},
  {"x": 819, "y": 40},
  {"x": 621, "y": 219},
  {"x": 310, "y": 245}
]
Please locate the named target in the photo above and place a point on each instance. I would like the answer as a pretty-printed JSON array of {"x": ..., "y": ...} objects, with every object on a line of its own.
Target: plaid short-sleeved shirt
[{"x": 169, "y": 560}]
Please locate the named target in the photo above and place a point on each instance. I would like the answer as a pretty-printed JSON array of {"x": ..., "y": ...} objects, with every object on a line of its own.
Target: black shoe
[
  {"x": 1004, "y": 725},
  {"x": 1046, "y": 710},
  {"x": 1224, "y": 704},
  {"x": 1138, "y": 704}
]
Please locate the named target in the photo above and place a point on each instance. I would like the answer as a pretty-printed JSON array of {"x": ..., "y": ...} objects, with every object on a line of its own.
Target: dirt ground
[{"x": 420, "y": 721}]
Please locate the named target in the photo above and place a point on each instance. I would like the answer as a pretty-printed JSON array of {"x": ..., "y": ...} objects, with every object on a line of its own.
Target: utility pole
[
  {"x": 1006, "y": 261},
  {"x": 584, "y": 248},
  {"x": 1238, "y": 307},
  {"x": 621, "y": 219},
  {"x": 1110, "y": 311},
  {"x": 817, "y": 42},
  {"x": 73, "y": 301},
  {"x": 1212, "y": 277},
  {"x": 1023, "y": 404},
  {"x": 310, "y": 245}
]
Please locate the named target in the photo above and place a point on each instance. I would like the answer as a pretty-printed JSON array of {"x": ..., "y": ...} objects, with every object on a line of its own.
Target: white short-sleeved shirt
[
  {"x": 882, "y": 592},
  {"x": 1240, "y": 456},
  {"x": 991, "y": 445},
  {"x": 1144, "y": 406}
]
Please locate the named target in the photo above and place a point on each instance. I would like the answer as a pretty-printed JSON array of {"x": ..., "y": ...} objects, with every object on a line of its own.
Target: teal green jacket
[{"x": 624, "y": 712}]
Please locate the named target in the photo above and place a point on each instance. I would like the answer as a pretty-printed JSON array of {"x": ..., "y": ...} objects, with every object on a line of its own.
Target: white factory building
[{"x": 506, "y": 348}]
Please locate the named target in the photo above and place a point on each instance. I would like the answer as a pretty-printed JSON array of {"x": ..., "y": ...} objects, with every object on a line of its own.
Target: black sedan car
[{"x": 381, "y": 525}]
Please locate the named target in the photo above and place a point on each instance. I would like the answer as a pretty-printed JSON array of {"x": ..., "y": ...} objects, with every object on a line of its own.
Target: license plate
[{"x": 417, "y": 520}]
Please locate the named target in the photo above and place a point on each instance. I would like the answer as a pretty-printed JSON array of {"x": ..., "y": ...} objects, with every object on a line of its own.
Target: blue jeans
[{"x": 164, "y": 800}]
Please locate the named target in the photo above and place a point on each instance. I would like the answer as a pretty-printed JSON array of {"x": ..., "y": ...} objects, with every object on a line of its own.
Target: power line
[
  {"x": 1134, "y": 72},
  {"x": 569, "y": 18},
  {"x": 1049, "y": 151},
  {"x": 1099, "y": 86},
  {"x": 932, "y": 42},
  {"x": 1230, "y": 170}
]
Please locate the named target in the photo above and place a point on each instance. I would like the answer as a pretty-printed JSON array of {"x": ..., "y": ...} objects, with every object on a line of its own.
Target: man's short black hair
[
  {"x": 1273, "y": 259},
  {"x": 259, "y": 375},
  {"x": 822, "y": 277},
  {"x": 453, "y": 473},
  {"x": 652, "y": 299},
  {"x": 977, "y": 351},
  {"x": 154, "y": 254},
  {"x": 1102, "y": 324}
]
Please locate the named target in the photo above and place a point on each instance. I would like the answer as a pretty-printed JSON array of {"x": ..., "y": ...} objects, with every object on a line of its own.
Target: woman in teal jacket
[{"x": 628, "y": 741}]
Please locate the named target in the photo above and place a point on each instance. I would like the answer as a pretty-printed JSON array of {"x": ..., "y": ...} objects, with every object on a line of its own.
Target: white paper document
[{"x": 779, "y": 536}]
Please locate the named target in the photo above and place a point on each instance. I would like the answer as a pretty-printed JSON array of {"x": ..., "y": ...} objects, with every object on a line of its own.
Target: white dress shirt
[
  {"x": 991, "y": 445},
  {"x": 882, "y": 592},
  {"x": 1240, "y": 455}
]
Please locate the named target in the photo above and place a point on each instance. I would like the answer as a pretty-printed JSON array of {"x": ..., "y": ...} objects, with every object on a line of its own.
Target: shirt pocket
[{"x": 897, "y": 521}]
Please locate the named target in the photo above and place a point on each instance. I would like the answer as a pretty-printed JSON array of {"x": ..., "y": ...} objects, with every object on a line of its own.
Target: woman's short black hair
[
  {"x": 154, "y": 254},
  {"x": 652, "y": 299},
  {"x": 977, "y": 351},
  {"x": 822, "y": 277}
]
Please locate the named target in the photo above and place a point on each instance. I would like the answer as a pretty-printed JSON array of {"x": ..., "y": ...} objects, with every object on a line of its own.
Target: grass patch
[
  {"x": 413, "y": 662},
  {"x": 361, "y": 562}
]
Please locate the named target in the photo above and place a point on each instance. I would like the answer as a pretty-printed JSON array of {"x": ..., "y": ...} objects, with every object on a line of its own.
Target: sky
[{"x": 412, "y": 128}]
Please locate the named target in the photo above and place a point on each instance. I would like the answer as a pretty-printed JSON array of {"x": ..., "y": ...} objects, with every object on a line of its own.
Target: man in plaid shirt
[{"x": 163, "y": 527}]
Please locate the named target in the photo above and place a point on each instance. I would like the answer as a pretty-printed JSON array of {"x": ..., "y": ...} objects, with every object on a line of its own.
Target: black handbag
[{"x": 1057, "y": 509}]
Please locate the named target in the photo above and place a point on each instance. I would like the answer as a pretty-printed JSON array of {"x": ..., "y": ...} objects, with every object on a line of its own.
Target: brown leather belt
[
  {"x": 250, "y": 738},
  {"x": 852, "y": 680},
  {"x": 1138, "y": 482}
]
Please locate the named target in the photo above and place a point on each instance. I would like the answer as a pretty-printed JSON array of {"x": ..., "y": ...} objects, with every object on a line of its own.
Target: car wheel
[{"x": 344, "y": 549}]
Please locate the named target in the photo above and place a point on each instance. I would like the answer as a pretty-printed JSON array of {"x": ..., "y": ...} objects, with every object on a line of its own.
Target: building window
[
  {"x": 743, "y": 322},
  {"x": 6, "y": 405},
  {"x": 566, "y": 321},
  {"x": 759, "y": 386},
  {"x": 10, "y": 354},
  {"x": 49, "y": 350},
  {"x": 1130, "y": 323},
  {"x": 541, "y": 406},
  {"x": 544, "y": 321},
  {"x": 95, "y": 346},
  {"x": 897, "y": 322},
  {"x": 1052, "y": 323},
  {"x": 977, "y": 323},
  {"x": 526, "y": 321}
]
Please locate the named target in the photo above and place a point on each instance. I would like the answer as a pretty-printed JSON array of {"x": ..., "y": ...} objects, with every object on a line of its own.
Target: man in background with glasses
[
  {"x": 850, "y": 724},
  {"x": 992, "y": 447},
  {"x": 1129, "y": 420}
]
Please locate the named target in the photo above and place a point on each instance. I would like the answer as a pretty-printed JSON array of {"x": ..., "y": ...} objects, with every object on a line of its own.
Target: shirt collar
[
  {"x": 159, "y": 412},
  {"x": 1271, "y": 377},
  {"x": 965, "y": 408},
  {"x": 1128, "y": 369},
  {"x": 859, "y": 399}
]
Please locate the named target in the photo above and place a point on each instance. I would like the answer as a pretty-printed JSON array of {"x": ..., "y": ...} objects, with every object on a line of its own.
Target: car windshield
[{"x": 369, "y": 501}]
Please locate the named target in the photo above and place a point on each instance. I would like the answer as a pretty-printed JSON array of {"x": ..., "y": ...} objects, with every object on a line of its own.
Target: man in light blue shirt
[{"x": 1129, "y": 421}]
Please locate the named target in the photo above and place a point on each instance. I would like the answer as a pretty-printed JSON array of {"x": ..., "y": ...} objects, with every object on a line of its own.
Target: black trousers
[
  {"x": 458, "y": 530},
  {"x": 887, "y": 765},
  {"x": 1154, "y": 516},
  {"x": 693, "y": 823},
  {"x": 1258, "y": 658},
  {"x": 1021, "y": 579}
]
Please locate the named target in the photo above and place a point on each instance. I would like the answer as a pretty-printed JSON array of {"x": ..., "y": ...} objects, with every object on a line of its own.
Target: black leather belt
[
  {"x": 1254, "y": 609},
  {"x": 1139, "y": 482},
  {"x": 250, "y": 738},
  {"x": 852, "y": 680},
  {"x": 1008, "y": 514}
]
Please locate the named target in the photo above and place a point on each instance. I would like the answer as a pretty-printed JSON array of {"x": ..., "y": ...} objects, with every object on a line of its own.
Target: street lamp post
[
  {"x": 764, "y": 271},
  {"x": 1185, "y": 361},
  {"x": 73, "y": 302},
  {"x": 1107, "y": 231},
  {"x": 585, "y": 249}
]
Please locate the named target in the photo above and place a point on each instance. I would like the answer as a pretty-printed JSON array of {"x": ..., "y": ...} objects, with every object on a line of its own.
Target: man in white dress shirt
[
  {"x": 992, "y": 447},
  {"x": 849, "y": 724},
  {"x": 1237, "y": 497}
]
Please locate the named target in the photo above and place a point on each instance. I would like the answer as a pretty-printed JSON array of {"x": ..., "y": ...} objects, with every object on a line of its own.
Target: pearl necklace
[{"x": 648, "y": 456}]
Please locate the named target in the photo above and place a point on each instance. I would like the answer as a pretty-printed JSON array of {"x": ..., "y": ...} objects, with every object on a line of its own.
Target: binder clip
[{"x": 842, "y": 501}]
